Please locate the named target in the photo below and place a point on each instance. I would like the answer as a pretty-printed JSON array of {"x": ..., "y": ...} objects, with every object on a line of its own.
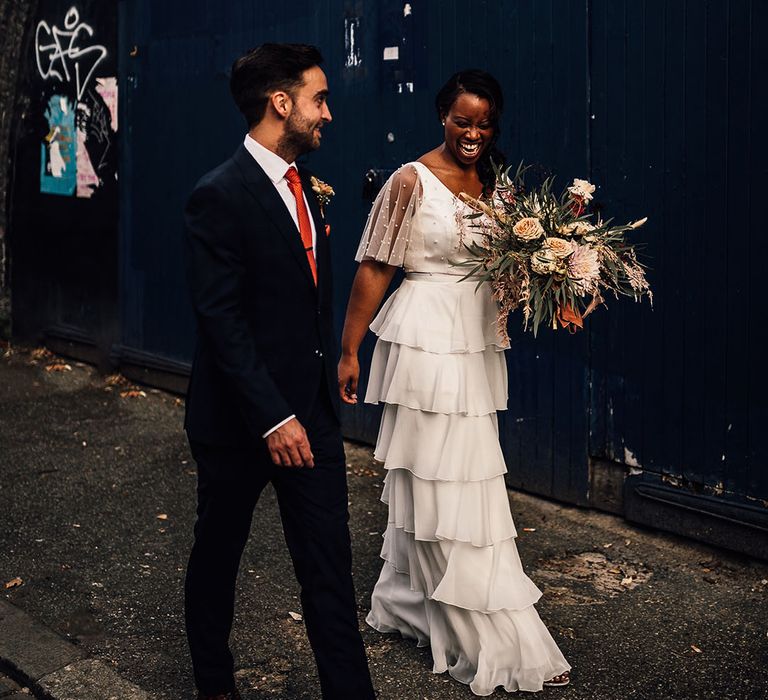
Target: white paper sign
[{"x": 392, "y": 53}]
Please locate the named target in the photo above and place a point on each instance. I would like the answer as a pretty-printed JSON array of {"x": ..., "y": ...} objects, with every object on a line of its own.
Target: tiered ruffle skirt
[{"x": 452, "y": 577}]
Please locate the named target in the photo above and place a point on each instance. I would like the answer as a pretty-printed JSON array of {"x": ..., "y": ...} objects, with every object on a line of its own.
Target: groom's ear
[{"x": 282, "y": 103}]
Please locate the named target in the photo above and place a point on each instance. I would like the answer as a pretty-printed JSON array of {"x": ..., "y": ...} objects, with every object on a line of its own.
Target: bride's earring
[{"x": 443, "y": 122}]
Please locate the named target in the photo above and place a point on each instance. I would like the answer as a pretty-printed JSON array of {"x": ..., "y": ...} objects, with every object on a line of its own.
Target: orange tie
[{"x": 305, "y": 228}]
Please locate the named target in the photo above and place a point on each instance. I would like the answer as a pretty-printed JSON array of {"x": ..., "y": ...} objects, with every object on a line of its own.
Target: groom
[{"x": 262, "y": 402}]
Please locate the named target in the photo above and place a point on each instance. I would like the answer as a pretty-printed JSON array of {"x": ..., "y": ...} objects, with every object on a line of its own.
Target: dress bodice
[
  {"x": 418, "y": 224},
  {"x": 440, "y": 222}
]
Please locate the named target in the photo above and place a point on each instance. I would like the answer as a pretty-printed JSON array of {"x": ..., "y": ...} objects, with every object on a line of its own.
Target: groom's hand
[
  {"x": 349, "y": 372},
  {"x": 289, "y": 446}
]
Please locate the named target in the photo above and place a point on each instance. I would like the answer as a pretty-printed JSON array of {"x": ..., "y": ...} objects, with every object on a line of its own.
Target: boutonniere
[{"x": 323, "y": 191}]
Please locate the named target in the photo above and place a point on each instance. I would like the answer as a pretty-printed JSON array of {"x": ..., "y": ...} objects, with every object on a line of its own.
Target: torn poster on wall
[
  {"x": 58, "y": 173},
  {"x": 96, "y": 128},
  {"x": 67, "y": 60}
]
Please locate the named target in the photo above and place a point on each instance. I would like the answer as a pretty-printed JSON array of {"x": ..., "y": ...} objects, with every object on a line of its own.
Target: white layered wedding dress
[{"x": 452, "y": 577}]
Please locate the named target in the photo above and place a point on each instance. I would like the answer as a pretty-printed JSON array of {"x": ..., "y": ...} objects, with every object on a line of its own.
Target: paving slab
[
  {"x": 90, "y": 679},
  {"x": 31, "y": 648}
]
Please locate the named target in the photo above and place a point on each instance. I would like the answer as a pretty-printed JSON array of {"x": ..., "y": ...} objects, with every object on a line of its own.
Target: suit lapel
[{"x": 262, "y": 189}]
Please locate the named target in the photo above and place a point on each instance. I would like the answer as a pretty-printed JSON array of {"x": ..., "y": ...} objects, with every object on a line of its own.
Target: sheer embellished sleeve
[{"x": 389, "y": 233}]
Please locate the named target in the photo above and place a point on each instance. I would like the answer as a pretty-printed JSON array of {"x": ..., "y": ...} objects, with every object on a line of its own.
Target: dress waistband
[{"x": 437, "y": 277}]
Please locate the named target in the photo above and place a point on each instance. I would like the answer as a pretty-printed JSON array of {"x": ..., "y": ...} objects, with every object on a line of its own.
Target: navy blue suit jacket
[{"x": 265, "y": 331}]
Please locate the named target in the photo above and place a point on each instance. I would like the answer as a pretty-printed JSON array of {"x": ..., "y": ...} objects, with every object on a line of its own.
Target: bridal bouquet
[{"x": 544, "y": 254}]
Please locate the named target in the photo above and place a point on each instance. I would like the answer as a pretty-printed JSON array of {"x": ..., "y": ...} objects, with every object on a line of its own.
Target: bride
[{"x": 452, "y": 577}]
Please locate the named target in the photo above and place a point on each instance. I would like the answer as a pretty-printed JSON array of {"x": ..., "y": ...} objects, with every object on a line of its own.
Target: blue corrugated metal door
[
  {"x": 181, "y": 122},
  {"x": 677, "y": 132},
  {"x": 654, "y": 101}
]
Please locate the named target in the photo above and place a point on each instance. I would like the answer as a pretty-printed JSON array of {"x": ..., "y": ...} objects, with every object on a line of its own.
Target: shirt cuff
[{"x": 279, "y": 425}]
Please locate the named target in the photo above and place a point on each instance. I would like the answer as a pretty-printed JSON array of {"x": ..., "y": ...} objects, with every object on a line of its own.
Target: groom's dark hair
[{"x": 265, "y": 70}]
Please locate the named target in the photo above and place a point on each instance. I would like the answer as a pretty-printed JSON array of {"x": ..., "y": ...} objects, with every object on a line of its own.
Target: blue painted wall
[{"x": 658, "y": 102}]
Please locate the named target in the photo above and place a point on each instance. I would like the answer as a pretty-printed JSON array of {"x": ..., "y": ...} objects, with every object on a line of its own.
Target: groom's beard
[{"x": 299, "y": 137}]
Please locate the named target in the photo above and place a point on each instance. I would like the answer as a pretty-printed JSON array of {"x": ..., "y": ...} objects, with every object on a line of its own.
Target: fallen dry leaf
[
  {"x": 162, "y": 516},
  {"x": 133, "y": 394},
  {"x": 40, "y": 353},
  {"x": 593, "y": 558},
  {"x": 13, "y": 583},
  {"x": 295, "y": 616},
  {"x": 115, "y": 379},
  {"x": 362, "y": 470},
  {"x": 529, "y": 529},
  {"x": 58, "y": 367},
  {"x": 696, "y": 649}
]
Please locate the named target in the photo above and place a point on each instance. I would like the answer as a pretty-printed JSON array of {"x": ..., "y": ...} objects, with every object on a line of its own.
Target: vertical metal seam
[
  {"x": 590, "y": 398},
  {"x": 588, "y": 42}
]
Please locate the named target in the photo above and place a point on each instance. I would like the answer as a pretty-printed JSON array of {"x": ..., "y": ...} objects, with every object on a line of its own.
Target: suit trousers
[{"x": 313, "y": 509}]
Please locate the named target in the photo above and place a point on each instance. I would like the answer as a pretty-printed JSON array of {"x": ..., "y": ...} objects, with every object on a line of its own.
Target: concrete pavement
[
  {"x": 97, "y": 494},
  {"x": 48, "y": 666}
]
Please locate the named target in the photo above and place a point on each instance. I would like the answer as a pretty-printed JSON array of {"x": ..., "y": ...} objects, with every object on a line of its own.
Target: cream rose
[
  {"x": 577, "y": 228},
  {"x": 528, "y": 229},
  {"x": 544, "y": 261},
  {"x": 559, "y": 246}
]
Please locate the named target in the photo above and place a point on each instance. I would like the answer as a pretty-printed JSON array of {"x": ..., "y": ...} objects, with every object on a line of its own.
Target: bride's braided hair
[{"x": 482, "y": 84}]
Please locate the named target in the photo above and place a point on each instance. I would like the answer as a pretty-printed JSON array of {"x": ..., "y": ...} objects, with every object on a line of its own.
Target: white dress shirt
[{"x": 275, "y": 168}]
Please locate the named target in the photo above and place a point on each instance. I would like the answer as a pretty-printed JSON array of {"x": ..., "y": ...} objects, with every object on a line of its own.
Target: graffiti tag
[{"x": 64, "y": 54}]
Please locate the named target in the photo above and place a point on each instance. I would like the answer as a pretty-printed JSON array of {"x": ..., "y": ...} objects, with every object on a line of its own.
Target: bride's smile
[{"x": 468, "y": 128}]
